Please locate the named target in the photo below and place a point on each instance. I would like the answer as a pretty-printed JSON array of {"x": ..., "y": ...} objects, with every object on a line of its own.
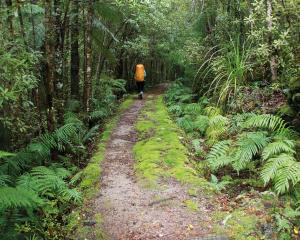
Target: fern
[
  {"x": 282, "y": 169},
  {"x": 99, "y": 114},
  {"x": 5, "y": 154},
  {"x": 217, "y": 126},
  {"x": 185, "y": 123},
  {"x": 277, "y": 147},
  {"x": 266, "y": 121},
  {"x": 201, "y": 123},
  {"x": 249, "y": 145},
  {"x": 212, "y": 111},
  {"x": 219, "y": 155},
  {"x": 48, "y": 182},
  {"x": 4, "y": 180},
  {"x": 192, "y": 108},
  {"x": 90, "y": 134},
  {"x": 176, "y": 109},
  {"x": 118, "y": 85},
  {"x": 18, "y": 198}
]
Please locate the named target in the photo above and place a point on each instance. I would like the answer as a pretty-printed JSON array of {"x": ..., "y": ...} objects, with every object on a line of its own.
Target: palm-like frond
[{"x": 192, "y": 108}]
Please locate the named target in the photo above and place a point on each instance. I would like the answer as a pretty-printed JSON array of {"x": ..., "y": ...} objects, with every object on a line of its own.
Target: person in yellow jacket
[{"x": 140, "y": 74}]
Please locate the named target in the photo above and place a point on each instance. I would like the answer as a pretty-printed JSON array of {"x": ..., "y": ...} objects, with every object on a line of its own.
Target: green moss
[
  {"x": 127, "y": 103},
  {"x": 193, "y": 206},
  {"x": 236, "y": 225},
  {"x": 162, "y": 154},
  {"x": 193, "y": 192}
]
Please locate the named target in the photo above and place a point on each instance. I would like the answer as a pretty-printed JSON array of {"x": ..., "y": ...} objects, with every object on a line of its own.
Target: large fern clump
[{"x": 265, "y": 141}]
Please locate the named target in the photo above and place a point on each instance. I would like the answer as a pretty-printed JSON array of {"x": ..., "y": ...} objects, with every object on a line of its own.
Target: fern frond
[
  {"x": 185, "y": 123},
  {"x": 287, "y": 175},
  {"x": 201, "y": 123},
  {"x": 192, "y": 108},
  {"x": 217, "y": 126},
  {"x": 40, "y": 149},
  {"x": 90, "y": 134},
  {"x": 18, "y": 198},
  {"x": 176, "y": 109},
  {"x": 48, "y": 182},
  {"x": 71, "y": 118},
  {"x": 99, "y": 114},
  {"x": 249, "y": 145},
  {"x": 266, "y": 121},
  {"x": 272, "y": 166},
  {"x": 4, "y": 180},
  {"x": 65, "y": 132},
  {"x": 277, "y": 147},
  {"x": 118, "y": 85},
  {"x": 71, "y": 195},
  {"x": 4, "y": 154},
  {"x": 212, "y": 111},
  {"x": 219, "y": 155}
]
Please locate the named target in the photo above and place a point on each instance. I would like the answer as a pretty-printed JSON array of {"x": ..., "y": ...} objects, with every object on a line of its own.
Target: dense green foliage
[{"x": 64, "y": 66}]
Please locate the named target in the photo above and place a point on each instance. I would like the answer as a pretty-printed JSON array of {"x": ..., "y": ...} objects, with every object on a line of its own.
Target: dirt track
[{"x": 130, "y": 211}]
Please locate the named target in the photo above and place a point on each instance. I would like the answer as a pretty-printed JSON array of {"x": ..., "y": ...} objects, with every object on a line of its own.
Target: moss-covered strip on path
[{"x": 160, "y": 153}]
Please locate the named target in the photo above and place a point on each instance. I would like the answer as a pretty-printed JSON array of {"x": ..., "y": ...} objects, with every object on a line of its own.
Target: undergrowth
[{"x": 241, "y": 150}]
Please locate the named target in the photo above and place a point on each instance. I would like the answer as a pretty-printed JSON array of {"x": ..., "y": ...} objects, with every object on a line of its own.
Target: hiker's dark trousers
[{"x": 140, "y": 86}]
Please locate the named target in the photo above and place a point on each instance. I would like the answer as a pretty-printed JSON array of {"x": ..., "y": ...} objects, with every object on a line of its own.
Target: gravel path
[{"x": 129, "y": 210}]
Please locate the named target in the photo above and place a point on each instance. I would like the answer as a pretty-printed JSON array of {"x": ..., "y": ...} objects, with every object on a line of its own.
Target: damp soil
[{"x": 131, "y": 211}]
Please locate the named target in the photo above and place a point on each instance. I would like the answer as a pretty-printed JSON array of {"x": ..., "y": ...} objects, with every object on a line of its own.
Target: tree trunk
[
  {"x": 75, "y": 59},
  {"x": 50, "y": 71},
  {"x": 33, "y": 26},
  {"x": 20, "y": 15},
  {"x": 87, "y": 90},
  {"x": 273, "y": 59},
  {"x": 10, "y": 17}
]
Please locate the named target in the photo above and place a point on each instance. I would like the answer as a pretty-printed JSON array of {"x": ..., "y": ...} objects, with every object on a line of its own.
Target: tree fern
[
  {"x": 219, "y": 155},
  {"x": 249, "y": 145}
]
